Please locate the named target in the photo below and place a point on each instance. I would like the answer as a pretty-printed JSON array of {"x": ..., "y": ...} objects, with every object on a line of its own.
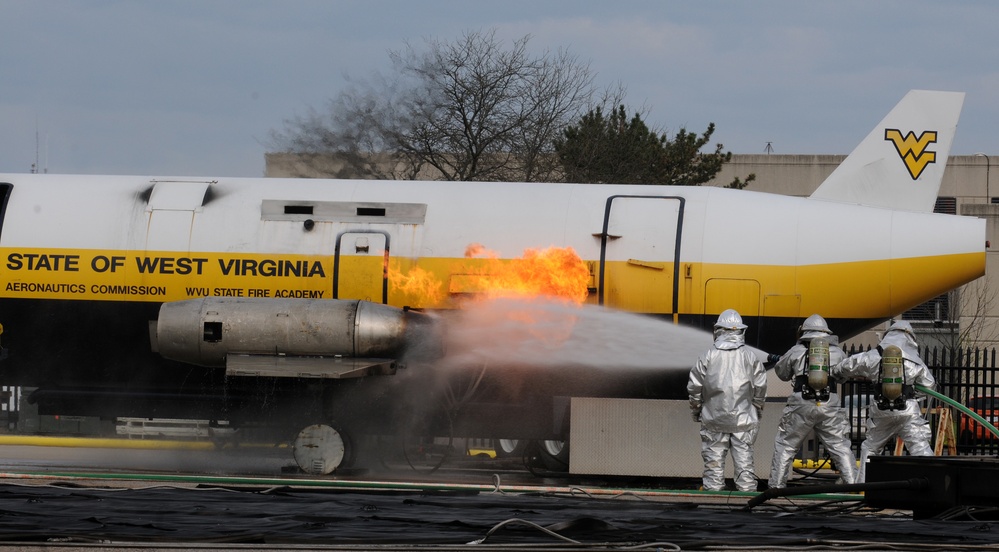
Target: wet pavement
[{"x": 192, "y": 495}]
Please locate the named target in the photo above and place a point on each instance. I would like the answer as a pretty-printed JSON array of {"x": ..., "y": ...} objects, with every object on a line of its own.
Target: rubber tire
[
  {"x": 510, "y": 448},
  {"x": 554, "y": 455}
]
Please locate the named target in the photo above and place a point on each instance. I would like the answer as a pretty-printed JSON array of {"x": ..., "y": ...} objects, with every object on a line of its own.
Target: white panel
[
  {"x": 654, "y": 438},
  {"x": 178, "y": 195},
  {"x": 169, "y": 230}
]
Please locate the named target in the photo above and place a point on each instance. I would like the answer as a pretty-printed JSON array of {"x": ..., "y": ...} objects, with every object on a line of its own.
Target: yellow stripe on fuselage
[
  {"x": 864, "y": 289},
  {"x": 158, "y": 276}
]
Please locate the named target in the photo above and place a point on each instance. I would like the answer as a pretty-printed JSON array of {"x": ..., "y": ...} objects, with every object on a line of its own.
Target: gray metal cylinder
[{"x": 203, "y": 331}]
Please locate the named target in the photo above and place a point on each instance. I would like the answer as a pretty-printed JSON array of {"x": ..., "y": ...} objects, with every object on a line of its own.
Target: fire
[
  {"x": 417, "y": 283},
  {"x": 478, "y": 250},
  {"x": 529, "y": 300},
  {"x": 552, "y": 272}
]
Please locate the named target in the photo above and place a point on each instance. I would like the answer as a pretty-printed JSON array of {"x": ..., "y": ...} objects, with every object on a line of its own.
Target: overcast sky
[{"x": 194, "y": 88}]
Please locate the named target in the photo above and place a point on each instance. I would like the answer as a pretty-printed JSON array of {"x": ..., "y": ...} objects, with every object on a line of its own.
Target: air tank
[
  {"x": 818, "y": 364},
  {"x": 204, "y": 331},
  {"x": 892, "y": 372}
]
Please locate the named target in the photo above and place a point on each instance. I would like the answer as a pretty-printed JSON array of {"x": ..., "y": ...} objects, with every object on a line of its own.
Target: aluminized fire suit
[
  {"x": 727, "y": 390},
  {"x": 803, "y": 415},
  {"x": 882, "y": 425}
]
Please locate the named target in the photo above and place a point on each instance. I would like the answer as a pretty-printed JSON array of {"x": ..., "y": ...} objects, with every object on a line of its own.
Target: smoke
[{"x": 543, "y": 333}]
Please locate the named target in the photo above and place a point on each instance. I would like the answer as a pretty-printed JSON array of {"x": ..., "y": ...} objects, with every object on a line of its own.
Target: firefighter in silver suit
[
  {"x": 895, "y": 410},
  {"x": 813, "y": 404},
  {"x": 727, "y": 388}
]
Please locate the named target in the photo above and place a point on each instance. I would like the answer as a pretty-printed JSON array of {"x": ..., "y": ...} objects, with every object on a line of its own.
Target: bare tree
[
  {"x": 971, "y": 306},
  {"x": 471, "y": 109},
  {"x": 962, "y": 328}
]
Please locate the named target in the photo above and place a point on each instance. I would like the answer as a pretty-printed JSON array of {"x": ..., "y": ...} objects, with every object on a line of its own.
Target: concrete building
[{"x": 968, "y": 317}]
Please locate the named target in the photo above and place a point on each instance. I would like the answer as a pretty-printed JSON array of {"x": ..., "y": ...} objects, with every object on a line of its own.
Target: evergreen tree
[{"x": 614, "y": 149}]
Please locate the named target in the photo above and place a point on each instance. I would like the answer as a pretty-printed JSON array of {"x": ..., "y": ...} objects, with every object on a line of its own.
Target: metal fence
[
  {"x": 10, "y": 400},
  {"x": 967, "y": 376}
]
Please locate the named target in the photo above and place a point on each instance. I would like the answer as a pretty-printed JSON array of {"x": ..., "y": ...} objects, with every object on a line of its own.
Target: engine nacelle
[{"x": 205, "y": 331}]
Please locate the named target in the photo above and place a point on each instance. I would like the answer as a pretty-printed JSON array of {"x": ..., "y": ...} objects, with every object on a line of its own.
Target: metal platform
[{"x": 953, "y": 483}]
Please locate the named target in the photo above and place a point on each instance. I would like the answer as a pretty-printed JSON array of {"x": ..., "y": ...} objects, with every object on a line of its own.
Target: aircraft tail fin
[{"x": 900, "y": 164}]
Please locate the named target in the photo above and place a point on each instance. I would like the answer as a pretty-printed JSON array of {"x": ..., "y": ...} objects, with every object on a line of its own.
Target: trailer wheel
[
  {"x": 554, "y": 454},
  {"x": 510, "y": 448},
  {"x": 320, "y": 449}
]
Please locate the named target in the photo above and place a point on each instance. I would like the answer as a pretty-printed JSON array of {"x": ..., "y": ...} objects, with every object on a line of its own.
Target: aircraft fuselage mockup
[{"x": 249, "y": 299}]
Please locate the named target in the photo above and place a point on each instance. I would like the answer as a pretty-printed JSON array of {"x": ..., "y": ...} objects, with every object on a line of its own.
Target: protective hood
[
  {"x": 807, "y": 337},
  {"x": 900, "y": 335},
  {"x": 726, "y": 339}
]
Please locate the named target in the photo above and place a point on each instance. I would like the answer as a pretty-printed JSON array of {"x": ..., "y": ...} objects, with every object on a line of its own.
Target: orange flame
[
  {"x": 535, "y": 282},
  {"x": 552, "y": 272},
  {"x": 418, "y": 283},
  {"x": 478, "y": 250}
]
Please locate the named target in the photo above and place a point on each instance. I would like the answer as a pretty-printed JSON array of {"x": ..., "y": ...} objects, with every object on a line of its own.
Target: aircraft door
[
  {"x": 172, "y": 212},
  {"x": 172, "y": 208},
  {"x": 360, "y": 265},
  {"x": 5, "y": 189},
  {"x": 640, "y": 253}
]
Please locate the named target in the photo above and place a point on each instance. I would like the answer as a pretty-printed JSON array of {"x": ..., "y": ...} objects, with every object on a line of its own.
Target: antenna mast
[{"x": 34, "y": 166}]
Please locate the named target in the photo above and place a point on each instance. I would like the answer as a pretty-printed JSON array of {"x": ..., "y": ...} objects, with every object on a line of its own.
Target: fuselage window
[
  {"x": 298, "y": 209},
  {"x": 371, "y": 211}
]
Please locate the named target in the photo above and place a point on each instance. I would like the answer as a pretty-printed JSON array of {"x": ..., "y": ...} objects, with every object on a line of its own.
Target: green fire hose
[{"x": 974, "y": 415}]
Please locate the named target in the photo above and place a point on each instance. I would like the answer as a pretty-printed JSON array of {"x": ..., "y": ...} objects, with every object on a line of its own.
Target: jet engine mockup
[{"x": 293, "y": 337}]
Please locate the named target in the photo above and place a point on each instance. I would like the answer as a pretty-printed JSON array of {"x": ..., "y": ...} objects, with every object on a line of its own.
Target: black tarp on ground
[{"x": 293, "y": 516}]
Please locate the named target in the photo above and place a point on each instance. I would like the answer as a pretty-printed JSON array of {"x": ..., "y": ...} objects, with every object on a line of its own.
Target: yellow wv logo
[{"x": 912, "y": 150}]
